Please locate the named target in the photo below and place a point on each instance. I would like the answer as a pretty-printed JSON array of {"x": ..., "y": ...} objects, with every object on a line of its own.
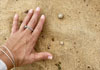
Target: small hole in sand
[
  {"x": 77, "y": 52},
  {"x": 98, "y": 10},
  {"x": 95, "y": 25},
  {"x": 78, "y": 61},
  {"x": 53, "y": 39},
  {"x": 21, "y": 21},
  {"x": 56, "y": 64},
  {"x": 35, "y": 49},
  {"x": 5, "y": 38},
  {"x": 88, "y": 67},
  {"x": 70, "y": 49},
  {"x": 84, "y": 0},
  {"x": 48, "y": 47},
  {"x": 79, "y": 12},
  {"x": 87, "y": 5},
  {"x": 74, "y": 42},
  {"x": 74, "y": 46},
  {"x": 59, "y": 62},
  {"x": 42, "y": 36}
]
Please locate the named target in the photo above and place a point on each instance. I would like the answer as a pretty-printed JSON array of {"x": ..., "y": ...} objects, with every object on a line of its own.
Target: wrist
[{"x": 6, "y": 60}]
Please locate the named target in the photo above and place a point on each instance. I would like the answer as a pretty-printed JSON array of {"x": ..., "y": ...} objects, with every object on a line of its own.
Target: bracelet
[
  {"x": 7, "y": 56},
  {"x": 9, "y": 53},
  {"x": 12, "y": 58}
]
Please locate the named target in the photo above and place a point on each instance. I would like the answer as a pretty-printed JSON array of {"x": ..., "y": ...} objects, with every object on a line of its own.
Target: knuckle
[
  {"x": 33, "y": 38},
  {"x": 38, "y": 29},
  {"x": 27, "y": 32}
]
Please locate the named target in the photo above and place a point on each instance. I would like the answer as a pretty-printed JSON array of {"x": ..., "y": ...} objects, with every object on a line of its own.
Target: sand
[{"x": 79, "y": 31}]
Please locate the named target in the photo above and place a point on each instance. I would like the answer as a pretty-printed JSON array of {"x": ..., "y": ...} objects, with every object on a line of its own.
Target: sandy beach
[{"x": 73, "y": 39}]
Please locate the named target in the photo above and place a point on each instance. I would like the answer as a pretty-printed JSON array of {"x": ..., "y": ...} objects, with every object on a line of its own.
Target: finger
[
  {"x": 34, "y": 19},
  {"x": 27, "y": 19},
  {"x": 15, "y": 24},
  {"x": 38, "y": 28},
  {"x": 40, "y": 56}
]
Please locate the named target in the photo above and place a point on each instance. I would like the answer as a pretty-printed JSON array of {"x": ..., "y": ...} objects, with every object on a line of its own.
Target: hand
[{"x": 22, "y": 41}]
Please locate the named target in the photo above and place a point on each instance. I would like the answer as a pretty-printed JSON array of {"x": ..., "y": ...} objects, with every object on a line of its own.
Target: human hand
[{"x": 22, "y": 40}]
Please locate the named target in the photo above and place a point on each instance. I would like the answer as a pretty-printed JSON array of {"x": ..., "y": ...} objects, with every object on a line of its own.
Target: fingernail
[
  {"x": 16, "y": 15},
  {"x": 38, "y": 9},
  {"x": 50, "y": 57},
  {"x": 31, "y": 11},
  {"x": 42, "y": 16}
]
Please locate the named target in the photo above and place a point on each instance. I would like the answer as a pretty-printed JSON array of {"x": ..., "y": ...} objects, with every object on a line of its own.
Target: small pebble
[
  {"x": 60, "y": 16},
  {"x": 61, "y": 43},
  {"x": 48, "y": 46}
]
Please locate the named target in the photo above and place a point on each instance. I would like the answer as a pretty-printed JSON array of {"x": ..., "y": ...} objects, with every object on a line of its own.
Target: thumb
[{"x": 41, "y": 56}]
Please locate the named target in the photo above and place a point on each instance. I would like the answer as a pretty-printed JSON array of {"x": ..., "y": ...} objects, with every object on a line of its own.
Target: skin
[{"x": 22, "y": 41}]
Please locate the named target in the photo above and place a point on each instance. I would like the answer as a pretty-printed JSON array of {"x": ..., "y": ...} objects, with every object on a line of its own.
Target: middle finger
[{"x": 34, "y": 19}]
